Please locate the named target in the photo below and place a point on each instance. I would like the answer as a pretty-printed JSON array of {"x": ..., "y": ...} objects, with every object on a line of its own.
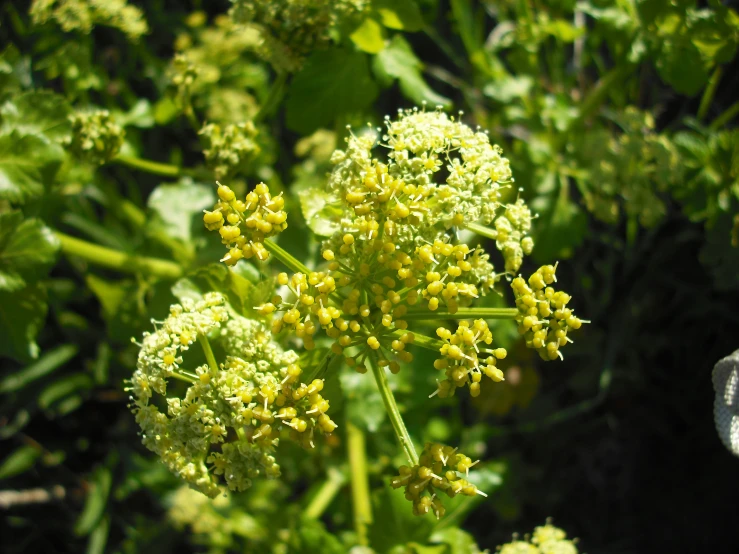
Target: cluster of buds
[
  {"x": 292, "y": 30},
  {"x": 223, "y": 429},
  {"x": 437, "y": 471},
  {"x": 245, "y": 224},
  {"x": 83, "y": 15},
  {"x": 228, "y": 149},
  {"x": 464, "y": 361},
  {"x": 544, "y": 319},
  {"x": 546, "y": 539},
  {"x": 95, "y": 138},
  {"x": 511, "y": 235}
]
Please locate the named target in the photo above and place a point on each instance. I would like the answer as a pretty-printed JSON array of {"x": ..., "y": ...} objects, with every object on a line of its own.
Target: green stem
[
  {"x": 709, "y": 92},
  {"x": 462, "y": 313},
  {"x": 394, "y": 413},
  {"x": 730, "y": 113},
  {"x": 181, "y": 377},
  {"x": 481, "y": 230},
  {"x": 325, "y": 495},
  {"x": 422, "y": 341},
  {"x": 360, "y": 481},
  {"x": 285, "y": 257},
  {"x": 115, "y": 259},
  {"x": 147, "y": 166},
  {"x": 274, "y": 97},
  {"x": 203, "y": 340}
]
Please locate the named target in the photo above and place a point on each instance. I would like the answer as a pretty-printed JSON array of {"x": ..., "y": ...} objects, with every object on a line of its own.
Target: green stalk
[
  {"x": 115, "y": 259},
  {"x": 709, "y": 92},
  {"x": 481, "y": 230},
  {"x": 393, "y": 412},
  {"x": 181, "y": 377},
  {"x": 422, "y": 341},
  {"x": 147, "y": 166},
  {"x": 325, "y": 495},
  {"x": 285, "y": 257},
  {"x": 203, "y": 340},
  {"x": 730, "y": 113},
  {"x": 462, "y": 313},
  {"x": 360, "y": 481},
  {"x": 274, "y": 97}
]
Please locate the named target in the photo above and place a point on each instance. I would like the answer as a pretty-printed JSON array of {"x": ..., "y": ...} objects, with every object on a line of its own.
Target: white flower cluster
[{"x": 224, "y": 426}]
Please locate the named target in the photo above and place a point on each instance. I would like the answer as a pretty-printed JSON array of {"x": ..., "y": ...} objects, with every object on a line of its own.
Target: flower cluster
[
  {"x": 546, "y": 539},
  {"x": 228, "y": 149},
  {"x": 83, "y": 15},
  {"x": 437, "y": 471},
  {"x": 543, "y": 317},
  {"x": 225, "y": 426},
  {"x": 461, "y": 358},
  {"x": 291, "y": 30},
  {"x": 244, "y": 225},
  {"x": 95, "y": 138}
]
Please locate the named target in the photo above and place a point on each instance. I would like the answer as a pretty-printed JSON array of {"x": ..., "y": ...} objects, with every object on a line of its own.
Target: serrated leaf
[
  {"x": 402, "y": 16},
  {"x": 180, "y": 207},
  {"x": 22, "y": 315},
  {"x": 398, "y": 61},
  {"x": 40, "y": 113},
  {"x": 28, "y": 249},
  {"x": 19, "y": 461},
  {"x": 321, "y": 210},
  {"x": 50, "y": 361},
  {"x": 97, "y": 498},
  {"x": 369, "y": 36},
  {"x": 332, "y": 84},
  {"x": 28, "y": 164}
]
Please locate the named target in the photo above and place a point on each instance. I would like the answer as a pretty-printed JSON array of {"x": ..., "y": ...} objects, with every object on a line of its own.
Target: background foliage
[{"x": 619, "y": 119}]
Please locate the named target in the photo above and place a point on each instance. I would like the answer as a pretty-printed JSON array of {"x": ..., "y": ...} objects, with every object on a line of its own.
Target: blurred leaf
[
  {"x": 99, "y": 536},
  {"x": 63, "y": 388},
  {"x": 19, "y": 461},
  {"x": 321, "y": 210},
  {"x": 28, "y": 249},
  {"x": 140, "y": 115},
  {"x": 459, "y": 542},
  {"x": 369, "y": 36},
  {"x": 398, "y": 61},
  {"x": 509, "y": 89},
  {"x": 49, "y": 362},
  {"x": 402, "y": 16},
  {"x": 27, "y": 164},
  {"x": 393, "y": 520},
  {"x": 40, "y": 113},
  {"x": 364, "y": 405},
  {"x": 681, "y": 66},
  {"x": 179, "y": 207},
  {"x": 110, "y": 294},
  {"x": 561, "y": 227},
  {"x": 97, "y": 499},
  {"x": 332, "y": 84},
  {"x": 22, "y": 315}
]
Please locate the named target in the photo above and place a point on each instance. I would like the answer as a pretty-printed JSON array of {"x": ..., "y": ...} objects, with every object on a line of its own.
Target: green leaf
[
  {"x": 111, "y": 295},
  {"x": 19, "y": 461},
  {"x": 239, "y": 291},
  {"x": 398, "y": 61},
  {"x": 22, "y": 315},
  {"x": 97, "y": 499},
  {"x": 28, "y": 164},
  {"x": 402, "y": 16},
  {"x": 321, "y": 210},
  {"x": 332, "y": 84},
  {"x": 50, "y": 361},
  {"x": 63, "y": 388},
  {"x": 364, "y": 405},
  {"x": 39, "y": 113},
  {"x": 28, "y": 249},
  {"x": 180, "y": 207},
  {"x": 681, "y": 66},
  {"x": 99, "y": 537},
  {"x": 369, "y": 36},
  {"x": 459, "y": 542},
  {"x": 509, "y": 89},
  {"x": 394, "y": 522}
]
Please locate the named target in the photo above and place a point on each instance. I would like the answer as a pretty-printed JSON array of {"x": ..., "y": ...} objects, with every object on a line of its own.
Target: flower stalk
[
  {"x": 115, "y": 259},
  {"x": 360, "y": 481}
]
